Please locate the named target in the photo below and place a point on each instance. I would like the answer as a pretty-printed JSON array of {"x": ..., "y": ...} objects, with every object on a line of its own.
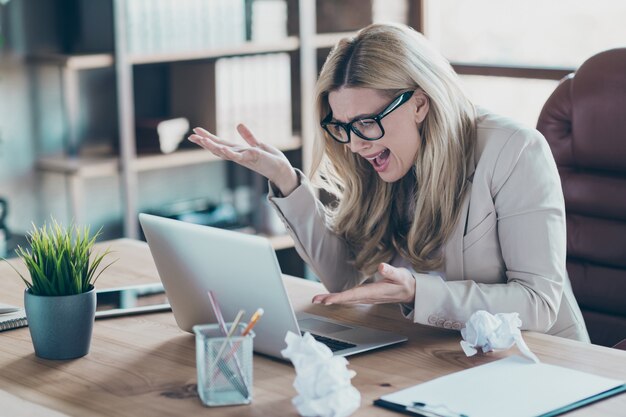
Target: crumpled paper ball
[
  {"x": 322, "y": 380},
  {"x": 488, "y": 332}
]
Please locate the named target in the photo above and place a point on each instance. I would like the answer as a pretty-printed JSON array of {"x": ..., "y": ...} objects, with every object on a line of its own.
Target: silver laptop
[{"x": 243, "y": 272}]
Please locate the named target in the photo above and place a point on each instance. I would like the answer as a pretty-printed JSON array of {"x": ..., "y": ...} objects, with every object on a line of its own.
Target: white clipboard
[{"x": 513, "y": 387}]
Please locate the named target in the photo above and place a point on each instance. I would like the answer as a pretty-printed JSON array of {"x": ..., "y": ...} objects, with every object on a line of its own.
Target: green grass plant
[{"x": 59, "y": 260}]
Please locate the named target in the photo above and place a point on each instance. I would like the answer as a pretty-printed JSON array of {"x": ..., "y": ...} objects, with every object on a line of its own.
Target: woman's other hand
[
  {"x": 397, "y": 286},
  {"x": 256, "y": 155}
]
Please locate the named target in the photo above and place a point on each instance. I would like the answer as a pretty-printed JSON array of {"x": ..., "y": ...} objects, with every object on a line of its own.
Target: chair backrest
[{"x": 584, "y": 121}]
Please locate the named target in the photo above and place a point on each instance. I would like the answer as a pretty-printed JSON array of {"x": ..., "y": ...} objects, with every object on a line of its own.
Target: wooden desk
[{"x": 145, "y": 365}]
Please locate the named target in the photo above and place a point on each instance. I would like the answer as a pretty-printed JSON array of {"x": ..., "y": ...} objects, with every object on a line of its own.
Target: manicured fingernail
[
  {"x": 328, "y": 304},
  {"x": 316, "y": 302}
]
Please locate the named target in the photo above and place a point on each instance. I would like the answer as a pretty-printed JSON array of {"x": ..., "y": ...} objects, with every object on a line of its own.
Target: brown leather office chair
[{"x": 584, "y": 121}]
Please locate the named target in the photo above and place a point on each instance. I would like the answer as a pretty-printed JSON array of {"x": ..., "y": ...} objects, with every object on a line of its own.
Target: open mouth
[{"x": 380, "y": 160}]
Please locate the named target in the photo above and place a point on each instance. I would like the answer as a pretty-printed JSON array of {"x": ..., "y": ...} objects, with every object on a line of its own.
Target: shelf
[
  {"x": 75, "y": 62},
  {"x": 328, "y": 40},
  {"x": 91, "y": 167},
  {"x": 172, "y": 160},
  {"x": 86, "y": 167},
  {"x": 192, "y": 157},
  {"x": 284, "y": 45},
  {"x": 93, "y": 61}
]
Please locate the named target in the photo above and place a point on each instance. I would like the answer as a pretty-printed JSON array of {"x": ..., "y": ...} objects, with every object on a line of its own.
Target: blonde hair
[{"x": 369, "y": 212}]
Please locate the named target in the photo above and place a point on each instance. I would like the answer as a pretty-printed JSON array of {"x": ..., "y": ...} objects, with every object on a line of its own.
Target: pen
[
  {"x": 222, "y": 364},
  {"x": 230, "y": 333},
  {"x": 238, "y": 383},
  {"x": 438, "y": 410},
  {"x": 253, "y": 321},
  {"x": 218, "y": 312},
  {"x": 222, "y": 324}
]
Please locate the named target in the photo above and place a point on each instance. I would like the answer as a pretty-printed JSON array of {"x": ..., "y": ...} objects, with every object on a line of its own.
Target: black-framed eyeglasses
[{"x": 368, "y": 128}]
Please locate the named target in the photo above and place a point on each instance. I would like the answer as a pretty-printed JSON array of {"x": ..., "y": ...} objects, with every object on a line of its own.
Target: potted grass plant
[{"x": 60, "y": 298}]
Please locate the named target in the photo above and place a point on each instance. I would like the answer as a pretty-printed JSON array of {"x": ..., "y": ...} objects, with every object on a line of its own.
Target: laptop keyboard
[{"x": 333, "y": 344}]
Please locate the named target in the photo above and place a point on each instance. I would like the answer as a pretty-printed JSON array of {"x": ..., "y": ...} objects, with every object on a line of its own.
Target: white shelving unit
[
  {"x": 78, "y": 170},
  {"x": 130, "y": 163},
  {"x": 285, "y": 45}
]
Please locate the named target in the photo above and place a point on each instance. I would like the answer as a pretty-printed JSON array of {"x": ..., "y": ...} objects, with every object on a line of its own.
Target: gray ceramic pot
[{"x": 61, "y": 327}]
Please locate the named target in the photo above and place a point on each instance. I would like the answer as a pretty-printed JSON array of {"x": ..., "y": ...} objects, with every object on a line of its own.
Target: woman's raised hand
[{"x": 256, "y": 155}]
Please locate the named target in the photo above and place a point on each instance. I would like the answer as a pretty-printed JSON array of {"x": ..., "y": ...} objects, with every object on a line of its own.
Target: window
[
  {"x": 510, "y": 53},
  {"x": 561, "y": 33},
  {"x": 520, "y": 98}
]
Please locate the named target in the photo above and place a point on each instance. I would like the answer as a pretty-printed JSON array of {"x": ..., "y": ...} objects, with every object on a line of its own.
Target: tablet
[{"x": 129, "y": 300}]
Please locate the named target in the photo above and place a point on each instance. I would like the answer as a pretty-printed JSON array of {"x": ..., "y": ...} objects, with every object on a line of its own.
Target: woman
[{"x": 441, "y": 207}]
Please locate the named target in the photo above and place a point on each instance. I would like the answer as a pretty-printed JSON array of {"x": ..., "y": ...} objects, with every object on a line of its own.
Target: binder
[{"x": 512, "y": 387}]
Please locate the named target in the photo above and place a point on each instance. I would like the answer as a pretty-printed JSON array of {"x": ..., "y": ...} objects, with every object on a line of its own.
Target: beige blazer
[{"x": 507, "y": 253}]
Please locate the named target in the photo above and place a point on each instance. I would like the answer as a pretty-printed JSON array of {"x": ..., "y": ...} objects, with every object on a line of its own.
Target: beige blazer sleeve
[
  {"x": 305, "y": 220},
  {"x": 521, "y": 238}
]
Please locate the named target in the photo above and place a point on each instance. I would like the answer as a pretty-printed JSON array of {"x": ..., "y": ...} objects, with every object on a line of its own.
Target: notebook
[
  {"x": 243, "y": 272},
  {"x": 12, "y": 317},
  {"x": 512, "y": 387}
]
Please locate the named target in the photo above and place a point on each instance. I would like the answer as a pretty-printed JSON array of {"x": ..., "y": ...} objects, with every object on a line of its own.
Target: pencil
[{"x": 253, "y": 320}]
